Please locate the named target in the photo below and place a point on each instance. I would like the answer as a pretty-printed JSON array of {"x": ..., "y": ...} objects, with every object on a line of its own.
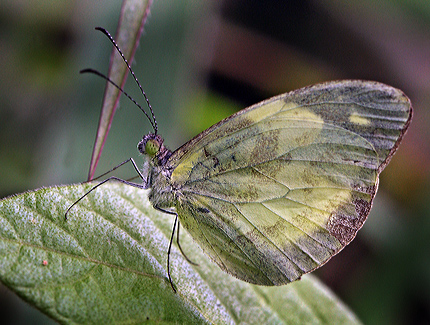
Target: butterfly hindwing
[{"x": 277, "y": 189}]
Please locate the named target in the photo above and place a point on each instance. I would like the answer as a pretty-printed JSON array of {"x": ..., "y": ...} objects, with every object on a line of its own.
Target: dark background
[{"x": 201, "y": 61}]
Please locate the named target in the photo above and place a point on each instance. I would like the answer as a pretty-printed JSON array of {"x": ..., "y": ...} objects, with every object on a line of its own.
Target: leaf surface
[{"x": 107, "y": 263}]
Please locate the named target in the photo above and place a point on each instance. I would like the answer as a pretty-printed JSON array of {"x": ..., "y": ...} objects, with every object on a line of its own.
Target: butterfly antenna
[
  {"x": 120, "y": 89},
  {"x": 153, "y": 121}
]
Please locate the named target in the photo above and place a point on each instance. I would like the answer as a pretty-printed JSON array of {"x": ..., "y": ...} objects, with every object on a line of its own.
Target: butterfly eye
[{"x": 152, "y": 147}]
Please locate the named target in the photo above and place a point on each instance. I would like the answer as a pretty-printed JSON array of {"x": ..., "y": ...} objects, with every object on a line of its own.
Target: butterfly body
[{"x": 275, "y": 190}]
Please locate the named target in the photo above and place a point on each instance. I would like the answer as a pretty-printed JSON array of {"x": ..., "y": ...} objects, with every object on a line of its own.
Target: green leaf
[
  {"x": 130, "y": 26},
  {"x": 107, "y": 263}
]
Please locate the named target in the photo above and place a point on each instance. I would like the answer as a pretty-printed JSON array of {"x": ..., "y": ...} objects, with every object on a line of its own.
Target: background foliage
[{"x": 201, "y": 62}]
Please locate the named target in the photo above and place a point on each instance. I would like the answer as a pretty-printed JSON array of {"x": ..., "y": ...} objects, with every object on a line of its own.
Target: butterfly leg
[
  {"x": 170, "y": 243},
  {"x": 180, "y": 248},
  {"x": 168, "y": 253},
  {"x": 131, "y": 160},
  {"x": 101, "y": 183}
]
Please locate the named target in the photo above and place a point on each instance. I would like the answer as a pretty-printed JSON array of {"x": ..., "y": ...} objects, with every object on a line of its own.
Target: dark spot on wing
[
  {"x": 266, "y": 147},
  {"x": 205, "y": 151},
  {"x": 287, "y": 156},
  {"x": 202, "y": 210},
  {"x": 236, "y": 124},
  {"x": 344, "y": 227},
  {"x": 215, "y": 161},
  {"x": 212, "y": 160},
  {"x": 366, "y": 189}
]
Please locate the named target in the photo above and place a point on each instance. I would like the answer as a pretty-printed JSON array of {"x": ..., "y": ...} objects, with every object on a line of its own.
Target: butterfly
[{"x": 275, "y": 190}]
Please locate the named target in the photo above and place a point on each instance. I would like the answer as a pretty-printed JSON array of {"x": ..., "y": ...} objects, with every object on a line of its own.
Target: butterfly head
[{"x": 152, "y": 146}]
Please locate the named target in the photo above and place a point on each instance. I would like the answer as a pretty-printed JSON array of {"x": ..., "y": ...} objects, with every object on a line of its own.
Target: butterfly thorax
[{"x": 162, "y": 194}]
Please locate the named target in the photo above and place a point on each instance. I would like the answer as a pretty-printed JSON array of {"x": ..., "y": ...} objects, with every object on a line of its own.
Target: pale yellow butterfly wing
[{"x": 275, "y": 190}]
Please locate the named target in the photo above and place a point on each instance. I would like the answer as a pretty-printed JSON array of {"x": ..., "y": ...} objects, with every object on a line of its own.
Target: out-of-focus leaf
[{"x": 130, "y": 26}]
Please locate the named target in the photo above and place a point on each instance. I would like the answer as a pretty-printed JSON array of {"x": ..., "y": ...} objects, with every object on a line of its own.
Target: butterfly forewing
[{"x": 275, "y": 190}]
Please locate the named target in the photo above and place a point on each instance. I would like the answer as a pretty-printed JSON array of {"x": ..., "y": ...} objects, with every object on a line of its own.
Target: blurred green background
[{"x": 199, "y": 62}]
